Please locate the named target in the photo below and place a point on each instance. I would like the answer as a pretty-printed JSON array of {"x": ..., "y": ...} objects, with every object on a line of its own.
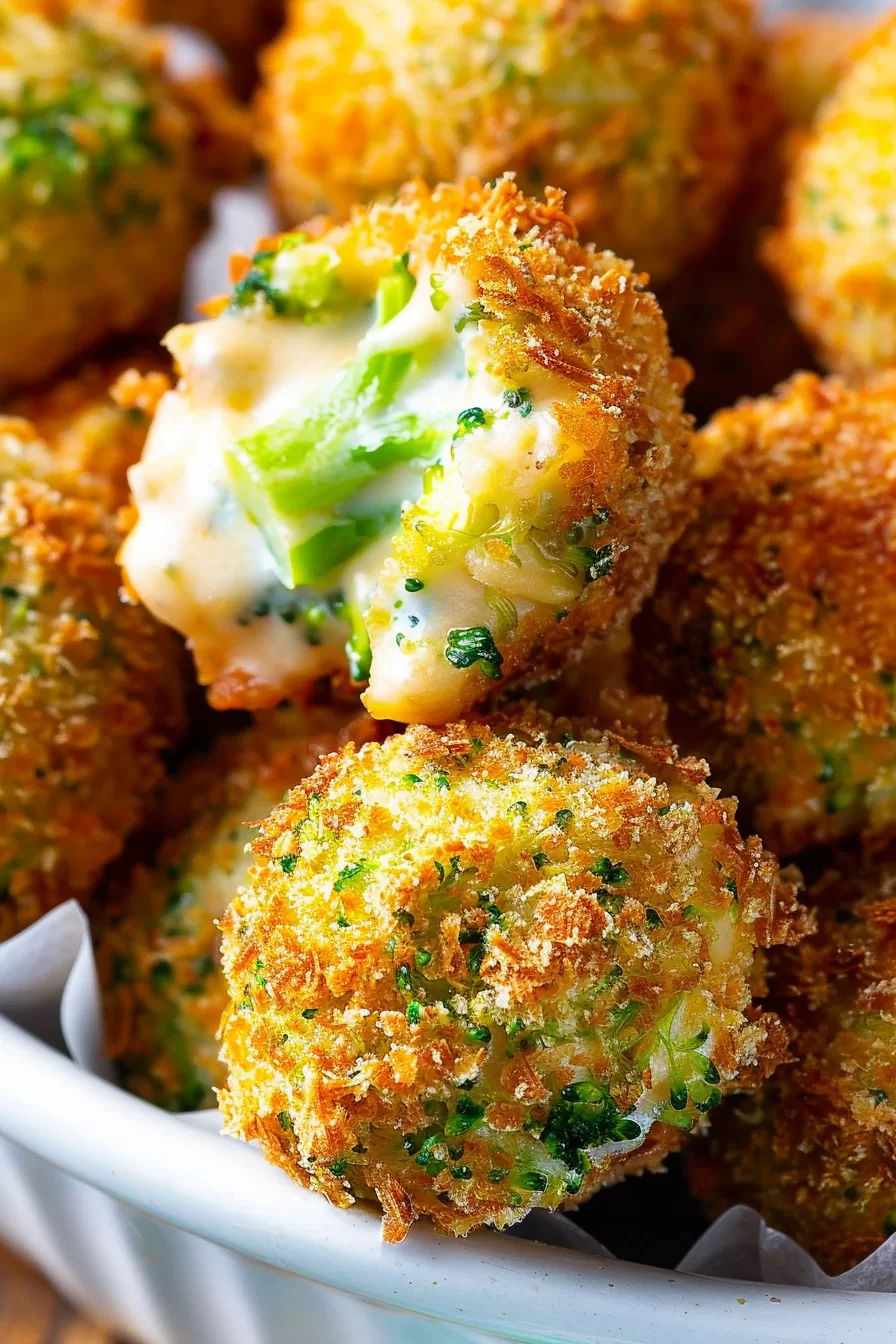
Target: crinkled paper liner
[{"x": 49, "y": 987}]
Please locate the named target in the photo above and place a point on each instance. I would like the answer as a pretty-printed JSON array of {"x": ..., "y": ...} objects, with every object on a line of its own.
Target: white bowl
[{"x": 150, "y": 1225}]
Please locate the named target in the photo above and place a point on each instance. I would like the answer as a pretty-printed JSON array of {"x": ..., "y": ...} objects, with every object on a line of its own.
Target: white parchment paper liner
[{"x": 48, "y": 986}]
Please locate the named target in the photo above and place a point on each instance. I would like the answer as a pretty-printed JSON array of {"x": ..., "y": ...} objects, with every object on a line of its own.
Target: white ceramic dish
[{"x": 124, "y": 1208}]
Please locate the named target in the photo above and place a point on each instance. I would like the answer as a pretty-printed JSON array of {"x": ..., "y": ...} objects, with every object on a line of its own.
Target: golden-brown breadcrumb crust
[
  {"x": 91, "y": 696},
  {"x": 95, "y": 422},
  {"x": 834, "y": 250},
  {"x": 68, "y": 280},
  {"x": 815, "y": 1151},
  {"x": 325, "y": 1059},
  {"x": 161, "y": 1029},
  {"x": 773, "y": 628},
  {"x": 356, "y": 98}
]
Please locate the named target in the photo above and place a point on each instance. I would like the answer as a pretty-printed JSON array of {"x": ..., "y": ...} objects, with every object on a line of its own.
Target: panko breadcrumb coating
[
  {"x": 773, "y": 628},
  {"x": 91, "y": 691},
  {"x": 158, "y": 945},
  {"x": 106, "y": 167},
  {"x": 636, "y": 110},
  {"x": 834, "y": 252},
  {"x": 815, "y": 1150},
  {"x": 493, "y": 967},
  {"x": 432, "y": 448},
  {"x": 95, "y": 422}
]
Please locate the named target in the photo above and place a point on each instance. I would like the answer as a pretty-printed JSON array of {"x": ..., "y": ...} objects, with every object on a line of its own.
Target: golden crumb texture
[
  {"x": 491, "y": 967},
  {"x": 773, "y": 628},
  {"x": 635, "y": 109},
  {"x": 157, "y": 943},
  {"x": 815, "y": 1149},
  {"x": 834, "y": 251}
]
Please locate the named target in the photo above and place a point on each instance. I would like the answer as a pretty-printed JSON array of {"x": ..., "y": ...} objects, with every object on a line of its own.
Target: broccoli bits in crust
[
  {"x": 834, "y": 252},
  {"x": 158, "y": 947},
  {"x": 431, "y": 448},
  {"x": 91, "y": 696},
  {"x": 102, "y": 185},
  {"x": 489, "y": 968},
  {"x": 815, "y": 1150},
  {"x": 636, "y": 111},
  {"x": 773, "y": 628}
]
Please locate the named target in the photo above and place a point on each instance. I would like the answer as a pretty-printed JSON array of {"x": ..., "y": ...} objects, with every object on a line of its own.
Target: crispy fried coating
[
  {"x": 815, "y": 1150},
  {"x": 834, "y": 252},
  {"x": 106, "y": 167},
  {"x": 91, "y": 693},
  {"x": 535, "y": 458},
  {"x": 636, "y": 110},
  {"x": 492, "y": 967},
  {"x": 157, "y": 949},
  {"x": 773, "y": 628},
  {"x": 94, "y": 423}
]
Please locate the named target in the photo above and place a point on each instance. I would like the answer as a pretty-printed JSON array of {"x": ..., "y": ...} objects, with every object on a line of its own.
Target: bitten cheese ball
[
  {"x": 636, "y": 110},
  {"x": 815, "y": 1150},
  {"x": 834, "y": 252},
  {"x": 490, "y": 968},
  {"x": 158, "y": 946},
  {"x": 91, "y": 691},
  {"x": 773, "y": 628},
  {"x": 430, "y": 449},
  {"x": 105, "y": 170}
]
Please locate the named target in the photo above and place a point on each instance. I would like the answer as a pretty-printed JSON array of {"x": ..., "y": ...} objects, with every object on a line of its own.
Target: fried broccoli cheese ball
[
  {"x": 431, "y": 448},
  {"x": 773, "y": 628},
  {"x": 103, "y": 184},
  {"x": 158, "y": 948},
  {"x": 636, "y": 110},
  {"x": 834, "y": 252},
  {"x": 483, "y": 969},
  {"x": 91, "y": 690},
  {"x": 815, "y": 1150}
]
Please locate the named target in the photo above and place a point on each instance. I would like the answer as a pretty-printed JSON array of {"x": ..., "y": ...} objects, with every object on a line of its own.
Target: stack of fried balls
[{"x": 457, "y": 673}]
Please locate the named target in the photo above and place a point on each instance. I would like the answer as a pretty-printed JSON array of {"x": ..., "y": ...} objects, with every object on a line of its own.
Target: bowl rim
[{"x": 171, "y": 1170}]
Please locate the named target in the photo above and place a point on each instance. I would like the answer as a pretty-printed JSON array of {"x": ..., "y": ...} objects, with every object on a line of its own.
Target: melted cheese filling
[{"x": 202, "y": 566}]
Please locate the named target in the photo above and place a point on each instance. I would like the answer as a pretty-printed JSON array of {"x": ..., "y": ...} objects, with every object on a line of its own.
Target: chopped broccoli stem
[
  {"x": 298, "y": 278},
  {"x": 290, "y": 474}
]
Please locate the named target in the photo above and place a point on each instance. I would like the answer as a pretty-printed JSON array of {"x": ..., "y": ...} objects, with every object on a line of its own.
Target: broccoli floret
[{"x": 586, "y": 1116}]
